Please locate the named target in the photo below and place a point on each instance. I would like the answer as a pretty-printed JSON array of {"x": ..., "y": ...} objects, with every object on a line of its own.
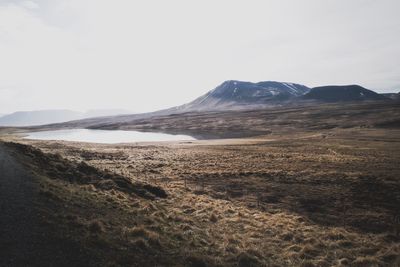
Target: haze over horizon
[{"x": 97, "y": 54}]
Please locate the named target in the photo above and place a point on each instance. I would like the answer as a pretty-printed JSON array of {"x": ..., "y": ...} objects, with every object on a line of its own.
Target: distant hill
[
  {"x": 41, "y": 117},
  {"x": 393, "y": 96},
  {"x": 238, "y": 94},
  {"x": 346, "y": 93},
  {"x": 26, "y": 118}
]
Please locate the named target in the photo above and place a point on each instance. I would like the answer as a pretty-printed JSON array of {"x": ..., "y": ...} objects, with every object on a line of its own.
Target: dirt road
[{"x": 25, "y": 238}]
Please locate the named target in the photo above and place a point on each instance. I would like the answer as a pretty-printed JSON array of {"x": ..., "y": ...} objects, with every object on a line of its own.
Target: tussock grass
[{"x": 310, "y": 201}]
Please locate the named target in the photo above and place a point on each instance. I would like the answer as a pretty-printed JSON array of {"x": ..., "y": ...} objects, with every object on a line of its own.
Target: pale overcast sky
[{"x": 149, "y": 54}]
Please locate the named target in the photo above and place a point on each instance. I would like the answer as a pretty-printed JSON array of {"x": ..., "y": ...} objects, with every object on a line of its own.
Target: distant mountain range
[
  {"x": 245, "y": 95},
  {"x": 230, "y": 95},
  {"x": 41, "y": 117}
]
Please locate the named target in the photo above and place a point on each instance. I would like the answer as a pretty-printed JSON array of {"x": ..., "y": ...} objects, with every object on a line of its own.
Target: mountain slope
[
  {"x": 346, "y": 93},
  {"x": 238, "y": 94}
]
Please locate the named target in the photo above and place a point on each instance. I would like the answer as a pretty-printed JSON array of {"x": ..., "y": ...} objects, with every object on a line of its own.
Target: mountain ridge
[{"x": 50, "y": 116}]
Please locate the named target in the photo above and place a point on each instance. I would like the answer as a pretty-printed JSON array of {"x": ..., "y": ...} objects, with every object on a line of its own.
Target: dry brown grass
[{"x": 307, "y": 199}]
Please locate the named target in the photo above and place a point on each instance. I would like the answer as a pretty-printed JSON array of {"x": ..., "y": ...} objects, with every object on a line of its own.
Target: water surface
[{"x": 105, "y": 136}]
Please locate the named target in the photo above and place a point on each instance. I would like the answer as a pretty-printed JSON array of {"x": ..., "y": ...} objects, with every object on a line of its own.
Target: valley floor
[{"x": 307, "y": 198}]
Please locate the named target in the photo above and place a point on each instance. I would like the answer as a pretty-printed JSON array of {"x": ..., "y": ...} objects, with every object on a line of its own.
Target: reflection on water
[{"x": 105, "y": 136}]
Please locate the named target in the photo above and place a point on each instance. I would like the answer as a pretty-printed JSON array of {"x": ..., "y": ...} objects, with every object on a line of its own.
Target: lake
[{"x": 105, "y": 136}]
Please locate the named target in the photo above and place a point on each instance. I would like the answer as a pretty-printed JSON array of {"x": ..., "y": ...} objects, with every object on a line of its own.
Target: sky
[{"x": 146, "y": 55}]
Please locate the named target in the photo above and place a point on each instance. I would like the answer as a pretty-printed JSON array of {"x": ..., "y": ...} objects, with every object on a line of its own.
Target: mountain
[
  {"x": 345, "y": 93},
  {"x": 41, "y": 117},
  {"x": 26, "y": 118},
  {"x": 238, "y": 94}
]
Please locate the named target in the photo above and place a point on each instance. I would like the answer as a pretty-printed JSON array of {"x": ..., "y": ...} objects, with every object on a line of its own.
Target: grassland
[{"x": 324, "y": 191}]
